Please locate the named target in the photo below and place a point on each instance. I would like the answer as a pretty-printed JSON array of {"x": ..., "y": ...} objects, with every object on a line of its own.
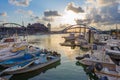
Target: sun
[{"x": 69, "y": 17}]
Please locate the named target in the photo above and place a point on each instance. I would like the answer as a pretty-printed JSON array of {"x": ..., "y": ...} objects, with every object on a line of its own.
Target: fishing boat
[
  {"x": 97, "y": 55},
  {"x": 41, "y": 62},
  {"x": 13, "y": 53},
  {"x": 12, "y": 50},
  {"x": 9, "y": 41},
  {"x": 11, "y": 60},
  {"x": 12, "y": 44},
  {"x": 84, "y": 45},
  {"x": 28, "y": 75},
  {"x": 18, "y": 60},
  {"x": 114, "y": 52},
  {"x": 19, "y": 66},
  {"x": 9, "y": 55},
  {"x": 71, "y": 37}
]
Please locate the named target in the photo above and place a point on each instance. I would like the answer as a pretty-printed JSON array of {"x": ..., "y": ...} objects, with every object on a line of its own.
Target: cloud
[
  {"x": 23, "y": 3},
  {"x": 47, "y": 19},
  {"x": 24, "y": 12},
  {"x": 74, "y": 8},
  {"x": 33, "y": 17},
  {"x": 4, "y": 14},
  {"x": 104, "y": 12},
  {"x": 51, "y": 13}
]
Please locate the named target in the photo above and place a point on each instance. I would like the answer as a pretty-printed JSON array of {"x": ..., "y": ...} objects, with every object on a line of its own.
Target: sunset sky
[{"x": 60, "y": 11}]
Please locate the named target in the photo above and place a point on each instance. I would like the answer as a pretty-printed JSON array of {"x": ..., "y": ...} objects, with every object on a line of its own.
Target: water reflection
[
  {"x": 52, "y": 42},
  {"x": 26, "y": 76},
  {"x": 91, "y": 75},
  {"x": 66, "y": 70}
]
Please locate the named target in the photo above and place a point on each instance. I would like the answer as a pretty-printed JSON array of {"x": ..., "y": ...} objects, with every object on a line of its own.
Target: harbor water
[{"x": 66, "y": 69}]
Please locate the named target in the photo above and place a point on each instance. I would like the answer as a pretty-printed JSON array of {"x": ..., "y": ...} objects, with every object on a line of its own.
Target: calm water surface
[{"x": 66, "y": 69}]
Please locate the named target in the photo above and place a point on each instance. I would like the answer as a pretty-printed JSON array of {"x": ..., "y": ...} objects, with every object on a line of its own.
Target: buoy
[{"x": 98, "y": 66}]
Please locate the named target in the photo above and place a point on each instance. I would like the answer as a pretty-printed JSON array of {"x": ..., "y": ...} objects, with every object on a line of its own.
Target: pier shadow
[{"x": 28, "y": 75}]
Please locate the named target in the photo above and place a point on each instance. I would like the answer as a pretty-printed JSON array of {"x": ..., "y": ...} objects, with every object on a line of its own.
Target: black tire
[{"x": 98, "y": 66}]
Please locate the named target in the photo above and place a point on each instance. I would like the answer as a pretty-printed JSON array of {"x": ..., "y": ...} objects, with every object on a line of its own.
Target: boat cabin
[
  {"x": 113, "y": 47},
  {"x": 9, "y": 40}
]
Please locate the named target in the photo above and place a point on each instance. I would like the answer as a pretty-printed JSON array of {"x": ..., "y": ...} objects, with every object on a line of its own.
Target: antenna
[{"x": 22, "y": 23}]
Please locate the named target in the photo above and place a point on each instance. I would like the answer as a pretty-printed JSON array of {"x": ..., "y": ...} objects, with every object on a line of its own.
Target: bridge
[
  {"x": 11, "y": 25},
  {"x": 79, "y": 28},
  {"x": 76, "y": 28}
]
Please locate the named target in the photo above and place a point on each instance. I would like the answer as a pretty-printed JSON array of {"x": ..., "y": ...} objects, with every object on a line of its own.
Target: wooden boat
[{"x": 36, "y": 65}]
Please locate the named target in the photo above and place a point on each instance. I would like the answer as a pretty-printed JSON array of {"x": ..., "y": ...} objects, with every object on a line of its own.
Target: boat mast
[{"x": 116, "y": 31}]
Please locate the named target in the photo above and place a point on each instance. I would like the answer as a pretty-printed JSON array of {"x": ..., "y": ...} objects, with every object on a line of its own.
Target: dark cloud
[
  {"x": 51, "y": 13},
  {"x": 23, "y": 3},
  {"x": 104, "y": 12},
  {"x": 74, "y": 8},
  {"x": 47, "y": 19}
]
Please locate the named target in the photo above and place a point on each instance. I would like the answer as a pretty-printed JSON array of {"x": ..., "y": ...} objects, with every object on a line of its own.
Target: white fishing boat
[
  {"x": 98, "y": 55},
  {"x": 113, "y": 51},
  {"x": 9, "y": 42},
  {"x": 103, "y": 64},
  {"x": 71, "y": 37}
]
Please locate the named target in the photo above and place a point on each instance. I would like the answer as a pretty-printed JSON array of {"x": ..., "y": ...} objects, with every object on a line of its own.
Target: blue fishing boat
[
  {"x": 18, "y": 60},
  {"x": 19, "y": 66},
  {"x": 39, "y": 63},
  {"x": 28, "y": 55}
]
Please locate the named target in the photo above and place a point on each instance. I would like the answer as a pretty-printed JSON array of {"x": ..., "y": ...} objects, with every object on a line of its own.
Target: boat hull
[
  {"x": 88, "y": 61},
  {"x": 33, "y": 67},
  {"x": 15, "y": 61},
  {"x": 115, "y": 57}
]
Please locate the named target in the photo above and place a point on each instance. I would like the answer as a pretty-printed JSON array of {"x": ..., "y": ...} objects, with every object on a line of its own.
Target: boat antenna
[{"x": 116, "y": 31}]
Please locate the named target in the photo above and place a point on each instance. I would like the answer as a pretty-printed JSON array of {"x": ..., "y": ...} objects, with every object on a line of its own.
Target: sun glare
[{"x": 69, "y": 17}]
